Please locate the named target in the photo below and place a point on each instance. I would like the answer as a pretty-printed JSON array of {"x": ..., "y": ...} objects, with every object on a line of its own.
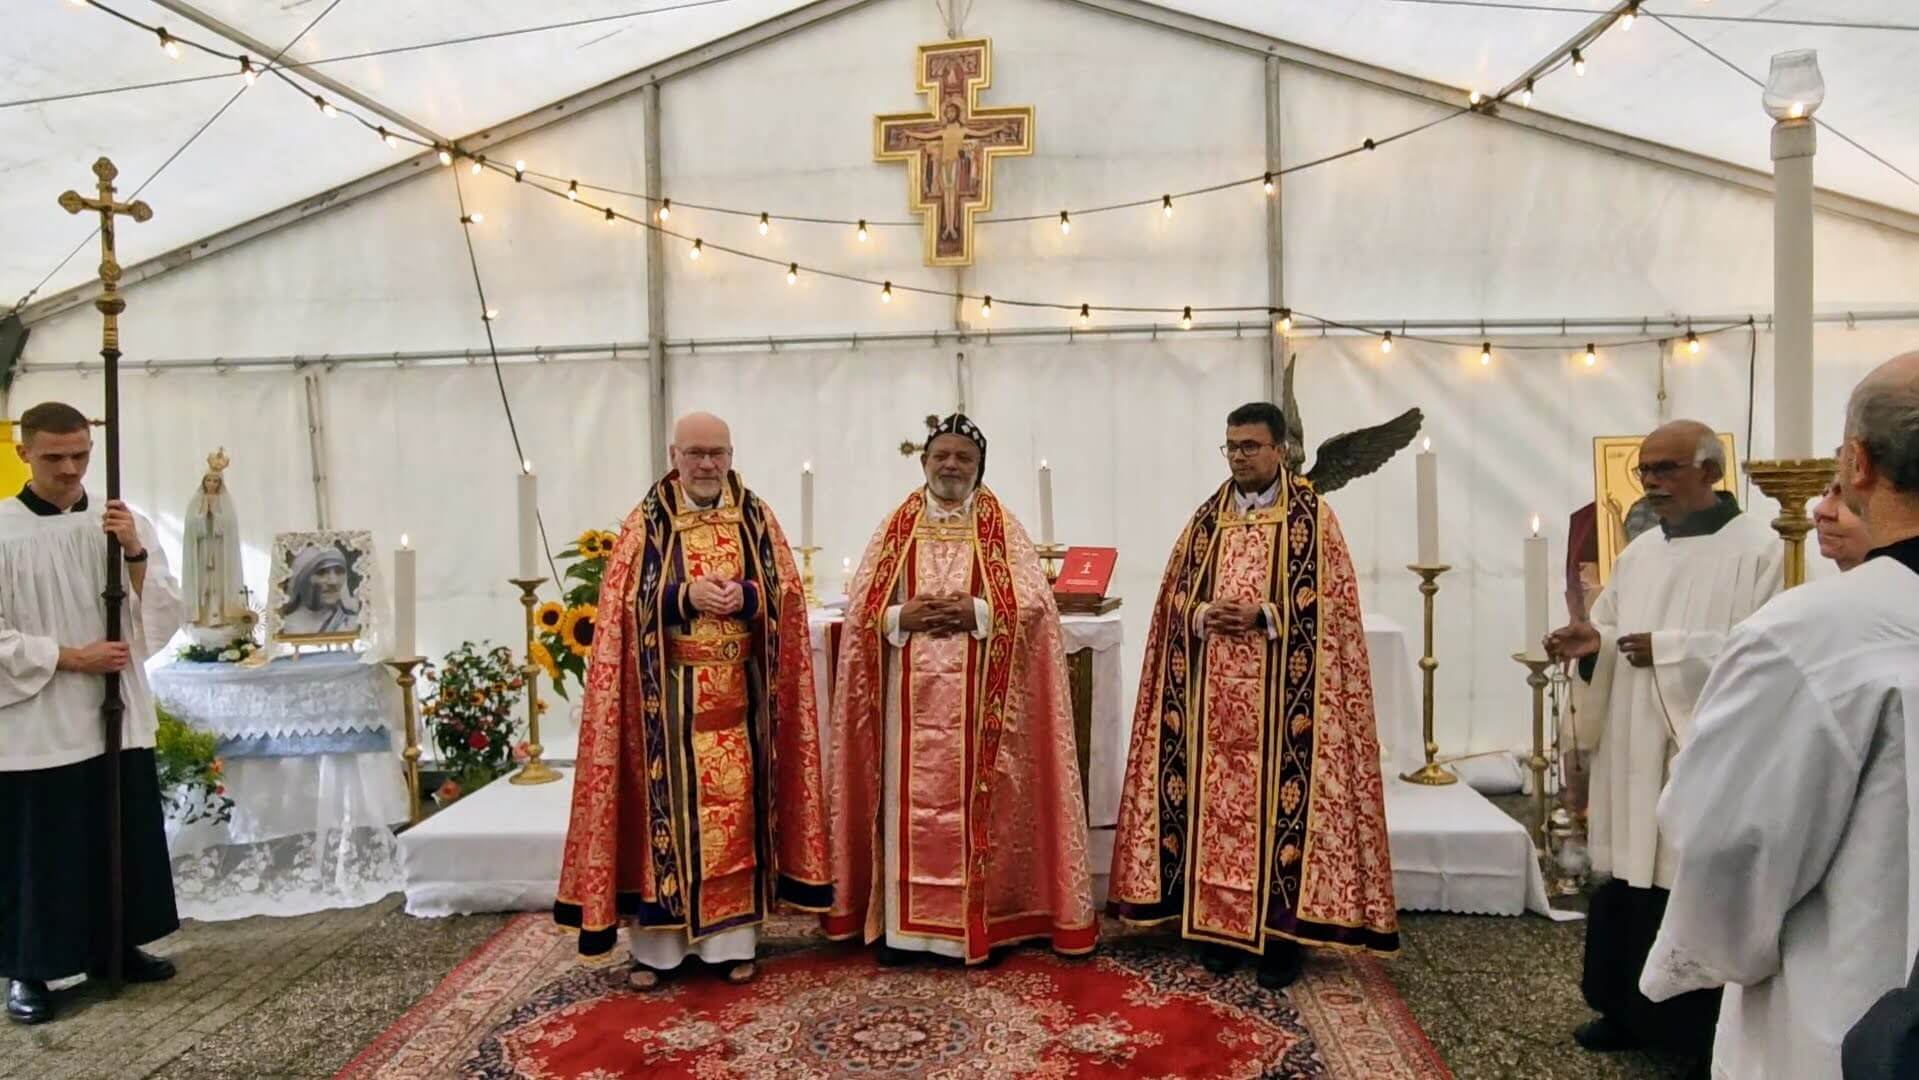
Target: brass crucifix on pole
[{"x": 112, "y": 709}]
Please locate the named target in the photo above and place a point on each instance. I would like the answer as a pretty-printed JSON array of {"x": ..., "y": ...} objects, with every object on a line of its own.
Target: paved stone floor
[{"x": 295, "y": 999}]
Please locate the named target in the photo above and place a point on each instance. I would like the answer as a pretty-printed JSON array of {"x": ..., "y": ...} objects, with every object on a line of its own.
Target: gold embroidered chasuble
[{"x": 1253, "y": 805}]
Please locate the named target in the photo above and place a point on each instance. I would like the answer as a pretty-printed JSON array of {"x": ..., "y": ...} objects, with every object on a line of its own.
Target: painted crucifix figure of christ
[{"x": 949, "y": 151}]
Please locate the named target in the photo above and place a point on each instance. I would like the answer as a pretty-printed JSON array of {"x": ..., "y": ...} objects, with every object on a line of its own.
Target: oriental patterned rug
[{"x": 522, "y": 1007}]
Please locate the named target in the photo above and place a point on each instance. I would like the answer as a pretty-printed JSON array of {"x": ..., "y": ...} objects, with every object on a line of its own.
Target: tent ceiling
[{"x": 270, "y": 149}]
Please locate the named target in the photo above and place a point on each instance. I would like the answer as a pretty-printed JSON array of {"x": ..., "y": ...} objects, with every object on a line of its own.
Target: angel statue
[
  {"x": 1344, "y": 458},
  {"x": 214, "y": 589}
]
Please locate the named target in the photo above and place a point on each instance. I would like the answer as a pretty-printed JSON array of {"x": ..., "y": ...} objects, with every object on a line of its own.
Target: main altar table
[
  {"x": 500, "y": 848},
  {"x": 310, "y": 765}
]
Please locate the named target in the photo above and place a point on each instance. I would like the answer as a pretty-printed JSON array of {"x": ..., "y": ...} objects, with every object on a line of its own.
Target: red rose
[
  {"x": 478, "y": 740},
  {"x": 219, "y": 789}
]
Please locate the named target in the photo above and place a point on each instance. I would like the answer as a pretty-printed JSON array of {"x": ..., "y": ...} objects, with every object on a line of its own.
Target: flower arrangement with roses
[
  {"x": 564, "y": 628},
  {"x": 192, "y": 787},
  {"x": 471, "y": 712}
]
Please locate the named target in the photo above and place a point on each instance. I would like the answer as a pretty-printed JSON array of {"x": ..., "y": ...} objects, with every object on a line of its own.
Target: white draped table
[{"x": 316, "y": 784}]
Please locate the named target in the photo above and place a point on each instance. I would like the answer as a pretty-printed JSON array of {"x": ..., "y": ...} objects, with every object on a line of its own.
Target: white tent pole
[
  {"x": 655, "y": 288},
  {"x": 1275, "y": 233}
]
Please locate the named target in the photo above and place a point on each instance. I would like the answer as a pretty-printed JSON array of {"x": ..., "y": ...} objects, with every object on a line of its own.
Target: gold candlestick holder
[
  {"x": 806, "y": 554},
  {"x": 1538, "y": 763},
  {"x": 534, "y": 771},
  {"x": 1053, "y": 558},
  {"x": 1432, "y": 773},
  {"x": 409, "y": 708},
  {"x": 1793, "y": 483}
]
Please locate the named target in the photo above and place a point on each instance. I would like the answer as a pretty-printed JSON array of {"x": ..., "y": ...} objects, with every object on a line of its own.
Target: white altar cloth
[
  {"x": 497, "y": 849},
  {"x": 1455, "y": 851}
]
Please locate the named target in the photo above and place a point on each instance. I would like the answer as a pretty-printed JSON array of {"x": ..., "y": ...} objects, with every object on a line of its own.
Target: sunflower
[
  {"x": 608, "y": 541},
  {"x": 578, "y": 631},
  {"x": 590, "y": 545},
  {"x": 549, "y": 615}
]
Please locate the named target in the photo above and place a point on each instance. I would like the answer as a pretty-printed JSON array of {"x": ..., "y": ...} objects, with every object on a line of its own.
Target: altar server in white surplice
[
  {"x": 1652, "y": 638},
  {"x": 54, "y": 881},
  {"x": 1792, "y": 807}
]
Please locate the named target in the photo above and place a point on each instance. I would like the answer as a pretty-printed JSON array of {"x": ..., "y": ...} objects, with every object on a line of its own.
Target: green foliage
[
  {"x": 470, "y": 712},
  {"x": 190, "y": 772}
]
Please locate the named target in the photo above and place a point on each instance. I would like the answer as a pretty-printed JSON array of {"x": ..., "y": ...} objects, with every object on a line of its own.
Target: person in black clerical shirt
[{"x": 55, "y": 878}]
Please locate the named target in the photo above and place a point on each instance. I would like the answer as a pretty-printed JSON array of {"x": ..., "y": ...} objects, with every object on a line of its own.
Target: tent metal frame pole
[
  {"x": 1275, "y": 232},
  {"x": 1469, "y": 333},
  {"x": 655, "y": 289}
]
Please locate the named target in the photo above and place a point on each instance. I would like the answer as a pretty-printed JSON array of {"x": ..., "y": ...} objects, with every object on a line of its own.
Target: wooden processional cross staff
[{"x": 112, "y": 708}]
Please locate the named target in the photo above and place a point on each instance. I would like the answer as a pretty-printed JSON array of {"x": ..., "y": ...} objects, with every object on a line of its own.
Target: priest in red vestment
[
  {"x": 958, "y": 824},
  {"x": 696, "y": 801},
  {"x": 1253, "y": 810}
]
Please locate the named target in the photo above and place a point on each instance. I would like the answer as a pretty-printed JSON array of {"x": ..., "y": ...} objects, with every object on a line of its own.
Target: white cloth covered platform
[{"x": 1453, "y": 850}]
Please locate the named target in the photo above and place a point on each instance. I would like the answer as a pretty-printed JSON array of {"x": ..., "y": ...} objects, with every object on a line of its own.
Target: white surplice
[
  {"x": 1791, "y": 811},
  {"x": 52, "y": 575},
  {"x": 1687, "y": 592}
]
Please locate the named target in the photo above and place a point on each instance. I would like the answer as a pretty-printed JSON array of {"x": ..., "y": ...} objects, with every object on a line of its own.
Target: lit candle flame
[
  {"x": 403, "y": 543},
  {"x": 1427, "y": 446},
  {"x": 525, "y": 465},
  {"x": 1043, "y": 465},
  {"x": 1535, "y": 524},
  {"x": 806, "y": 466}
]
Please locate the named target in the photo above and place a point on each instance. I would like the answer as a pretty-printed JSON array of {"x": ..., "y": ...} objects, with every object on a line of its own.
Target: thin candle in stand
[
  {"x": 1427, "y": 464},
  {"x": 529, "y": 523},
  {"x": 1045, "y": 503},
  {"x": 1535, "y": 594},
  {"x": 403, "y": 601},
  {"x": 806, "y": 504}
]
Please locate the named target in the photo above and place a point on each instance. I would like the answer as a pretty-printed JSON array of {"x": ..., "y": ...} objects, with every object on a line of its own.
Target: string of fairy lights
[{"x": 658, "y": 217}]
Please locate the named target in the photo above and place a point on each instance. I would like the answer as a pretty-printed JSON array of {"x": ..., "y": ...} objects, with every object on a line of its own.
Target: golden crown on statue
[{"x": 218, "y": 461}]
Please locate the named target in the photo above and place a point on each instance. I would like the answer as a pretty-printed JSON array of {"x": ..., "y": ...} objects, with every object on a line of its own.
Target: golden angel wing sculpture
[{"x": 1344, "y": 458}]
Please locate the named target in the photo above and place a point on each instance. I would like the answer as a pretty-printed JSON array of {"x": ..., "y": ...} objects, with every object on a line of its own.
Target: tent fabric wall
[{"x": 1471, "y": 218}]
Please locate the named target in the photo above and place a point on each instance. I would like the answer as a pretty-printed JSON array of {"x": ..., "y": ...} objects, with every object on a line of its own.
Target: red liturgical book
[{"x": 1087, "y": 571}]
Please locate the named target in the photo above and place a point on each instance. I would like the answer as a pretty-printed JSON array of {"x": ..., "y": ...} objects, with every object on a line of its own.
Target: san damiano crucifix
[{"x": 949, "y": 151}]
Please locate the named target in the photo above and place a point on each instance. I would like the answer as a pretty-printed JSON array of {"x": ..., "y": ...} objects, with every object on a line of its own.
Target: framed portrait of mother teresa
[
  {"x": 321, "y": 591},
  {"x": 1619, "y": 499}
]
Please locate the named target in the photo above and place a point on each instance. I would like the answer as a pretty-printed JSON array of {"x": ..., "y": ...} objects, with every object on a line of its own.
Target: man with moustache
[
  {"x": 1653, "y": 635},
  {"x": 958, "y": 825}
]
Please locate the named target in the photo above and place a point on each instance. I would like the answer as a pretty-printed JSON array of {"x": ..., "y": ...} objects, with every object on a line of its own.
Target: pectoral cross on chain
[{"x": 109, "y": 301}]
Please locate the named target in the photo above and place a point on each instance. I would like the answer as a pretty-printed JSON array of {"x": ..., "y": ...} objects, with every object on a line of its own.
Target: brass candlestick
[
  {"x": 806, "y": 554},
  {"x": 1536, "y": 678},
  {"x": 1793, "y": 483},
  {"x": 403, "y": 674},
  {"x": 1053, "y": 558},
  {"x": 534, "y": 771},
  {"x": 1432, "y": 773}
]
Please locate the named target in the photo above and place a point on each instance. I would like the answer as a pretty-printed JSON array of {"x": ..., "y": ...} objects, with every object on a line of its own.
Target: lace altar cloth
[{"x": 315, "y": 782}]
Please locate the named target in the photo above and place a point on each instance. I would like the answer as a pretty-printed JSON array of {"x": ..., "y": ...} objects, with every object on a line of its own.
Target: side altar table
[{"x": 315, "y": 781}]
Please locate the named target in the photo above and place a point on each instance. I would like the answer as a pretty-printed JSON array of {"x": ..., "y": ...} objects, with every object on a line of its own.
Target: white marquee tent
[{"x": 288, "y": 250}]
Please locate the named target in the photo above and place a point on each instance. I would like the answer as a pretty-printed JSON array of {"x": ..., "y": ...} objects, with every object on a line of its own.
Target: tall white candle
[
  {"x": 1045, "y": 502},
  {"x": 806, "y": 504},
  {"x": 1428, "y": 477},
  {"x": 1536, "y": 594},
  {"x": 404, "y": 645},
  {"x": 529, "y": 523}
]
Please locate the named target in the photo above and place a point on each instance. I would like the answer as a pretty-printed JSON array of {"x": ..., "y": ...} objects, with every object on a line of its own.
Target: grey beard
[{"x": 952, "y": 491}]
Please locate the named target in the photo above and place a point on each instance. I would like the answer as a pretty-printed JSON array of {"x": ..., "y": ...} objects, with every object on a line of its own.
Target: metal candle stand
[
  {"x": 403, "y": 674},
  {"x": 534, "y": 771},
  {"x": 1432, "y": 773}
]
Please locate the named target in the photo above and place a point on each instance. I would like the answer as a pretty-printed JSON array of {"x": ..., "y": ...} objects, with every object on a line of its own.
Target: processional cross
[
  {"x": 949, "y": 151},
  {"x": 112, "y": 709}
]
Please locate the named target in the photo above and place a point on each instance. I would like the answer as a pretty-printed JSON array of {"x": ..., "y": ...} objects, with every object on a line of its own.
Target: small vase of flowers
[
  {"x": 470, "y": 710},
  {"x": 192, "y": 785}
]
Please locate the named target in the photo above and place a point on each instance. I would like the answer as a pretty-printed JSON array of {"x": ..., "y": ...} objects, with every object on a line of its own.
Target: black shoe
[
  {"x": 1218, "y": 960},
  {"x": 1280, "y": 968},
  {"x": 1604, "y": 1035},
  {"x": 141, "y": 966},
  {"x": 891, "y": 957},
  {"x": 28, "y": 1002}
]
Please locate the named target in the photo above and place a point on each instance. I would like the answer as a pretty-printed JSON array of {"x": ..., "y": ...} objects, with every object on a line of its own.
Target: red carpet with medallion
[{"x": 521, "y": 1006}]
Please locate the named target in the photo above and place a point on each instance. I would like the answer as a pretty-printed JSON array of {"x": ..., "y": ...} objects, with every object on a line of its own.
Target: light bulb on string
[
  {"x": 666, "y": 209},
  {"x": 1526, "y": 95},
  {"x": 387, "y": 138},
  {"x": 1186, "y": 318},
  {"x": 474, "y": 218},
  {"x": 491, "y": 314},
  {"x": 1166, "y": 205},
  {"x": 886, "y": 293},
  {"x": 792, "y": 273},
  {"x": 1268, "y": 184},
  {"x": 1579, "y": 63},
  {"x": 247, "y": 71},
  {"x": 986, "y": 308},
  {"x": 1474, "y": 99},
  {"x": 167, "y": 44},
  {"x": 446, "y": 156},
  {"x": 862, "y": 230},
  {"x": 1284, "y": 324},
  {"x": 766, "y": 223},
  {"x": 1692, "y": 343},
  {"x": 1085, "y": 315},
  {"x": 519, "y": 171},
  {"x": 1065, "y": 224},
  {"x": 1592, "y": 355},
  {"x": 694, "y": 251},
  {"x": 478, "y": 164},
  {"x": 609, "y": 215},
  {"x": 1386, "y": 342},
  {"x": 1486, "y": 354},
  {"x": 573, "y": 191},
  {"x": 326, "y": 108},
  {"x": 1631, "y": 16}
]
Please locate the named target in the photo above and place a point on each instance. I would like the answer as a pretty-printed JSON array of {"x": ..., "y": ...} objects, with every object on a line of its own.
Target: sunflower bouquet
[
  {"x": 470, "y": 711},
  {"x": 564, "y": 637}
]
